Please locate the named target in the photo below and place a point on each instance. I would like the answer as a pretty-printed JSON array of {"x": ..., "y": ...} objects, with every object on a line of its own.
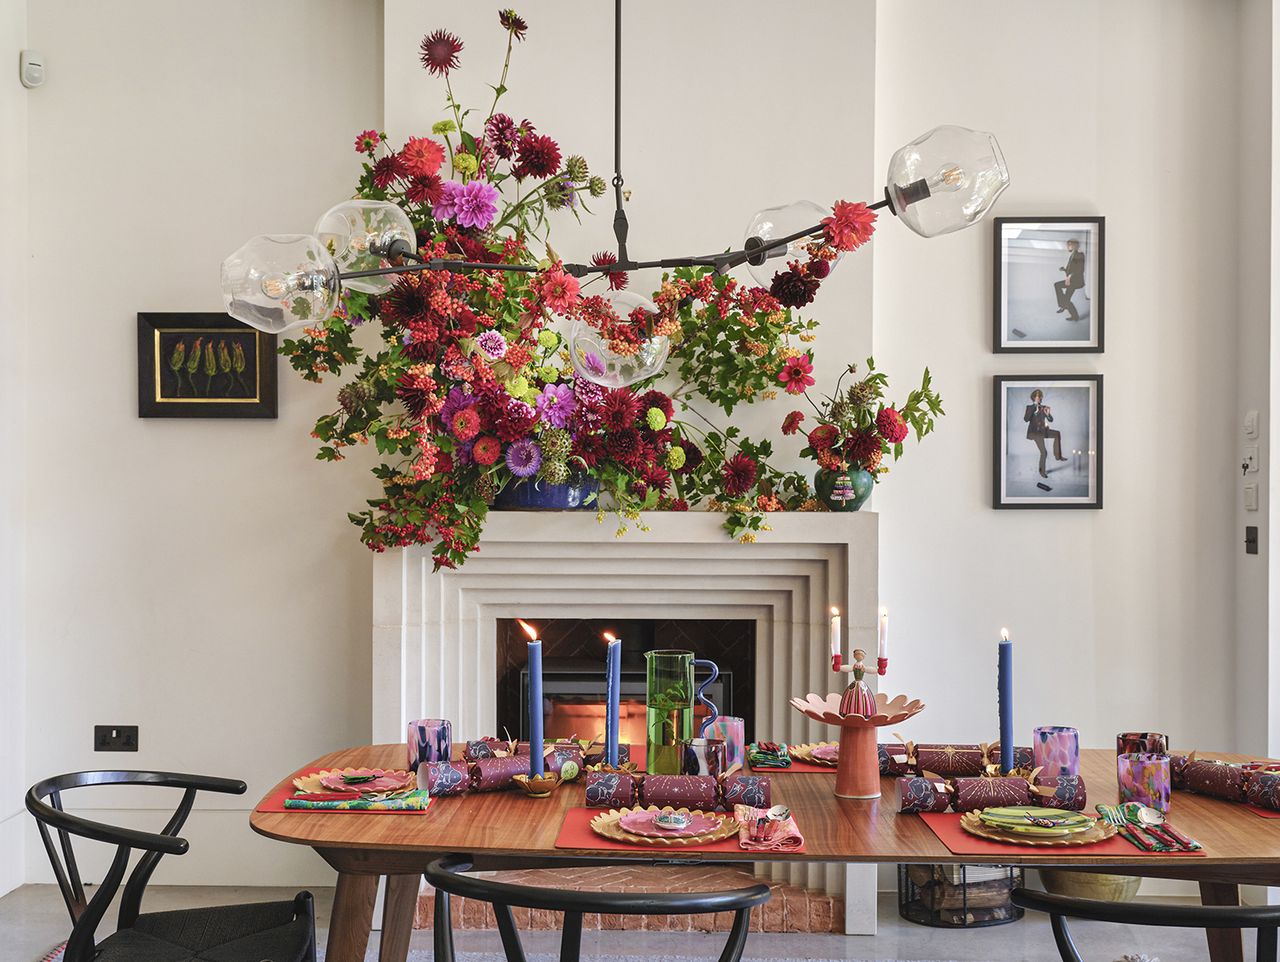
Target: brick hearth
[{"x": 792, "y": 909}]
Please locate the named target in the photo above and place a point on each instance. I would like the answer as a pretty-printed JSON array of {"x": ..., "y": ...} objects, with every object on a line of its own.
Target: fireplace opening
[{"x": 573, "y": 683}]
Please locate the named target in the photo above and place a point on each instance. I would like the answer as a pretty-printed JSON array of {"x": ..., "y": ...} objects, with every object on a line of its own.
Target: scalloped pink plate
[
  {"x": 378, "y": 780},
  {"x": 826, "y": 753},
  {"x": 643, "y": 823}
]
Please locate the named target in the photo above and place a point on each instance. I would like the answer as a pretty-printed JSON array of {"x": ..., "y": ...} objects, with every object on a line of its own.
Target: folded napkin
[
  {"x": 785, "y": 836},
  {"x": 768, "y": 755},
  {"x": 408, "y": 802}
]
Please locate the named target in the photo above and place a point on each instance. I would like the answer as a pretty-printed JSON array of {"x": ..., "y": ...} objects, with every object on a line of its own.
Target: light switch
[
  {"x": 1249, "y": 459},
  {"x": 1251, "y": 496},
  {"x": 1251, "y": 425}
]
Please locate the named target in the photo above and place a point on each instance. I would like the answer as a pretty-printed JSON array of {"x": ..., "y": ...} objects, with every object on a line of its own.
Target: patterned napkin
[
  {"x": 406, "y": 802},
  {"x": 768, "y": 755},
  {"x": 785, "y": 836}
]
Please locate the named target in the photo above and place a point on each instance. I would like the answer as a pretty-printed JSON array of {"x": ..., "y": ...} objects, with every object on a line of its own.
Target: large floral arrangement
[{"x": 470, "y": 388}]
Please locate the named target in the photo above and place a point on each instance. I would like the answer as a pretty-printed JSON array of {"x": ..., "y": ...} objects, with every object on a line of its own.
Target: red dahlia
[
  {"x": 823, "y": 437},
  {"x": 793, "y": 289},
  {"x": 536, "y": 156},
  {"x": 618, "y": 410},
  {"x": 891, "y": 425},
  {"x": 739, "y": 475},
  {"x": 693, "y": 456},
  {"x": 617, "y": 279},
  {"x": 625, "y": 447},
  {"x": 513, "y": 23},
  {"x": 656, "y": 399},
  {"x": 860, "y": 445},
  {"x": 486, "y": 450},
  {"x": 388, "y": 170},
  {"x": 791, "y": 423},
  {"x": 424, "y": 189},
  {"x": 440, "y": 52},
  {"x": 422, "y": 156}
]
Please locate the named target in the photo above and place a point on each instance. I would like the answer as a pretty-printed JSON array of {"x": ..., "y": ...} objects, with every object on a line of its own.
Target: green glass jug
[{"x": 669, "y": 701}]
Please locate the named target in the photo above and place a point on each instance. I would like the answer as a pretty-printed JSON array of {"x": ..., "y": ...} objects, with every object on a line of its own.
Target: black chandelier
[{"x": 945, "y": 180}]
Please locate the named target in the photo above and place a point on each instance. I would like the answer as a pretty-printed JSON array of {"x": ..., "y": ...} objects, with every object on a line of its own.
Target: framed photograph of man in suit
[
  {"x": 1047, "y": 441},
  {"x": 1048, "y": 291}
]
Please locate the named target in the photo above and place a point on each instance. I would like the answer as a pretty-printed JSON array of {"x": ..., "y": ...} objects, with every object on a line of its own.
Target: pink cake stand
[{"x": 858, "y": 770}]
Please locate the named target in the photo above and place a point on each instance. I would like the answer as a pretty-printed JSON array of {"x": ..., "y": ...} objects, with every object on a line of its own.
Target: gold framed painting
[{"x": 204, "y": 366}]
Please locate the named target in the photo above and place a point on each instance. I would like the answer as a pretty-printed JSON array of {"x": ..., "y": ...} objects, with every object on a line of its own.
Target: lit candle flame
[
  {"x": 528, "y": 629},
  {"x": 835, "y": 610},
  {"x": 884, "y": 612},
  {"x": 609, "y": 637},
  {"x": 1004, "y": 634}
]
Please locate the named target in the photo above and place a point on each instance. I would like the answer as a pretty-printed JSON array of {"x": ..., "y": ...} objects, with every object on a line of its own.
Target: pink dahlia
[
  {"x": 559, "y": 291},
  {"x": 891, "y": 425},
  {"x": 440, "y": 52},
  {"x": 472, "y": 204},
  {"x": 850, "y": 225},
  {"x": 422, "y": 156},
  {"x": 367, "y": 142},
  {"x": 796, "y": 374},
  {"x": 739, "y": 475},
  {"x": 791, "y": 423}
]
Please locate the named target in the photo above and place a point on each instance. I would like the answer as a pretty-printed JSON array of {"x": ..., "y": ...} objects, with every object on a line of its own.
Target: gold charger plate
[
  {"x": 804, "y": 753},
  {"x": 606, "y": 825},
  {"x": 1100, "y": 832}
]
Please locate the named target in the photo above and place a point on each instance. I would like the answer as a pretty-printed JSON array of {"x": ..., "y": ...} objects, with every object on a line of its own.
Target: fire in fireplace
[{"x": 573, "y": 685}]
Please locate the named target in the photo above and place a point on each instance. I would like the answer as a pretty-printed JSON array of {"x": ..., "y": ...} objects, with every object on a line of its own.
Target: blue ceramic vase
[{"x": 534, "y": 495}]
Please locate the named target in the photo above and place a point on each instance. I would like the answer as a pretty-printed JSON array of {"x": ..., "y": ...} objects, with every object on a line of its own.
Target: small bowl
[
  {"x": 537, "y": 786},
  {"x": 672, "y": 820}
]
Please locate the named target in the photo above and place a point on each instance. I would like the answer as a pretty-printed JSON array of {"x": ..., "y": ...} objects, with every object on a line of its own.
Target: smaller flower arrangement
[{"x": 856, "y": 429}]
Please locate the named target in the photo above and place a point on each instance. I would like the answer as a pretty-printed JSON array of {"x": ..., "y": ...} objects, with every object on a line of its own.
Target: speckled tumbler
[
  {"x": 1144, "y": 778},
  {"x": 1055, "y": 750}
]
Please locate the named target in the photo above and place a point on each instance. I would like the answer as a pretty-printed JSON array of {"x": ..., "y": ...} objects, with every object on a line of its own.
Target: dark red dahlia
[
  {"x": 739, "y": 475},
  {"x": 793, "y": 289},
  {"x": 673, "y": 504},
  {"x": 617, "y": 279},
  {"x": 625, "y": 447},
  {"x": 791, "y": 423},
  {"x": 618, "y": 410},
  {"x": 537, "y": 155},
  {"x": 418, "y": 393},
  {"x": 387, "y": 171},
  {"x": 656, "y": 476},
  {"x": 693, "y": 456},
  {"x": 513, "y": 23},
  {"x": 404, "y": 302},
  {"x": 819, "y": 268},
  {"x": 656, "y": 399},
  {"x": 424, "y": 189},
  {"x": 440, "y": 52},
  {"x": 860, "y": 446},
  {"x": 500, "y": 135}
]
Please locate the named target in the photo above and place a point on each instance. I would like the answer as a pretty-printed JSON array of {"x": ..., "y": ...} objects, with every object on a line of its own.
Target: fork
[{"x": 1113, "y": 815}]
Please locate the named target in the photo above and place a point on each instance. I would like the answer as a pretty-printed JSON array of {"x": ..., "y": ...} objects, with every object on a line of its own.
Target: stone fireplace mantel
[{"x": 435, "y": 633}]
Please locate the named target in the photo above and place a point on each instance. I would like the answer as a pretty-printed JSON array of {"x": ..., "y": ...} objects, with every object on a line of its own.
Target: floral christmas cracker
[
  {"x": 480, "y": 748},
  {"x": 1178, "y": 769},
  {"x": 611, "y": 789},
  {"x": 446, "y": 778},
  {"x": 557, "y": 758},
  {"x": 680, "y": 791},
  {"x": 495, "y": 774},
  {"x": 919, "y": 794},
  {"x": 975, "y": 793},
  {"x": 753, "y": 790},
  {"x": 1216, "y": 779},
  {"x": 1264, "y": 790},
  {"x": 1068, "y": 792}
]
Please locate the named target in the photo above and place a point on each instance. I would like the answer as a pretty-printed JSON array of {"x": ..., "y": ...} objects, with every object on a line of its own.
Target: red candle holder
[{"x": 858, "y": 768}]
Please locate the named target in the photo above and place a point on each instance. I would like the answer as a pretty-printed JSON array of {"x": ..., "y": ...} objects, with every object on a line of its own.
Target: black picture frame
[
  {"x": 244, "y": 384},
  {"x": 1092, "y": 294},
  {"x": 1083, "y": 465}
]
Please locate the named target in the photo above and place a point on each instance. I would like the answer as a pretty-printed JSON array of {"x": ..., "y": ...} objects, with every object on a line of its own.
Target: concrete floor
[{"x": 33, "y": 919}]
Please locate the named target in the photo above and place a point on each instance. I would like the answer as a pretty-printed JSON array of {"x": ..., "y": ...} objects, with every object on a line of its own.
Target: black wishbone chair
[
  {"x": 1264, "y": 918},
  {"x": 449, "y": 876},
  {"x": 279, "y": 931}
]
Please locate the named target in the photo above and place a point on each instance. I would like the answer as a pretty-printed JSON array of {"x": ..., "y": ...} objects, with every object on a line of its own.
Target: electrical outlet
[{"x": 115, "y": 738}]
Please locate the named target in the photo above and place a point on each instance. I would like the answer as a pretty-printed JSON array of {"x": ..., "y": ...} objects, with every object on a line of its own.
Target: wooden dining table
[{"x": 509, "y": 830}]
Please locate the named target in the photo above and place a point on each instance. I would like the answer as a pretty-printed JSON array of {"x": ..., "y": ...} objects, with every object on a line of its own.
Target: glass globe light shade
[
  {"x": 946, "y": 180},
  {"x": 360, "y": 234},
  {"x": 595, "y": 361},
  {"x": 779, "y": 222},
  {"x": 277, "y": 282}
]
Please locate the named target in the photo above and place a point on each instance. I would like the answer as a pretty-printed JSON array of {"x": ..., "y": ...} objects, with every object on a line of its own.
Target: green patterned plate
[{"x": 1015, "y": 819}]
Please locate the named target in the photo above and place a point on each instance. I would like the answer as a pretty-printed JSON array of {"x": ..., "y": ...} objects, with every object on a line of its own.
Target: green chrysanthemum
[
  {"x": 465, "y": 163},
  {"x": 576, "y": 168},
  {"x": 655, "y": 419},
  {"x": 555, "y": 472},
  {"x": 518, "y": 386},
  {"x": 442, "y": 127},
  {"x": 675, "y": 456},
  {"x": 549, "y": 339},
  {"x": 549, "y": 374},
  {"x": 556, "y": 444}
]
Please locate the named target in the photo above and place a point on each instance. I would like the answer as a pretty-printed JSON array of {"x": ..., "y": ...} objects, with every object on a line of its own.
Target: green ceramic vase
[{"x": 825, "y": 481}]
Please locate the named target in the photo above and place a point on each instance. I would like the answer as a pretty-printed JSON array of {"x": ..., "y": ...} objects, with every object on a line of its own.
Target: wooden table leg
[
  {"x": 1225, "y": 945},
  {"x": 352, "y": 917},
  {"x": 397, "y": 917}
]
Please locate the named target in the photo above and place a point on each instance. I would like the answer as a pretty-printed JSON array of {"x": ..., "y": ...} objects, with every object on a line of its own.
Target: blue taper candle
[
  {"x": 537, "y": 759},
  {"x": 613, "y": 698},
  {"x": 1005, "y": 689}
]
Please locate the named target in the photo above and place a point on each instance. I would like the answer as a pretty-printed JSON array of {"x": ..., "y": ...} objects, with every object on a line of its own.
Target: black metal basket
[{"x": 958, "y": 896}]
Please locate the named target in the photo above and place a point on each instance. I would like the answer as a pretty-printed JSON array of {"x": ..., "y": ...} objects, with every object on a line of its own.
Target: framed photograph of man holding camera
[
  {"x": 1048, "y": 285},
  {"x": 1047, "y": 441}
]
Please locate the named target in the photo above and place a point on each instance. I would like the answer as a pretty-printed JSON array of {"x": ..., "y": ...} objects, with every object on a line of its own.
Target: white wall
[
  {"x": 198, "y": 578},
  {"x": 13, "y": 334},
  {"x": 1123, "y": 618}
]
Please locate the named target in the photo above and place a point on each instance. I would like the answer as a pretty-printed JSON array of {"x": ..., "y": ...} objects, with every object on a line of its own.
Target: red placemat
[
  {"x": 575, "y": 832},
  {"x": 1263, "y": 812},
  {"x": 946, "y": 825},
  {"x": 275, "y": 803}
]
